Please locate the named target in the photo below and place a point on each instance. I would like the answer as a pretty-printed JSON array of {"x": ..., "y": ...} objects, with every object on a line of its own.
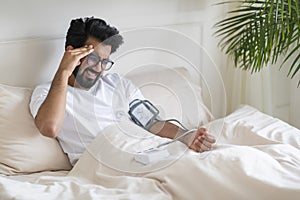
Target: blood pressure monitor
[{"x": 143, "y": 113}]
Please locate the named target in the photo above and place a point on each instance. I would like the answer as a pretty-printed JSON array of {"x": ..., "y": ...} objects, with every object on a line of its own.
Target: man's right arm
[{"x": 50, "y": 115}]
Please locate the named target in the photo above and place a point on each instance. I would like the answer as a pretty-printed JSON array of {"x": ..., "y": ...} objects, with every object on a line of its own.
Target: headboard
[{"x": 30, "y": 62}]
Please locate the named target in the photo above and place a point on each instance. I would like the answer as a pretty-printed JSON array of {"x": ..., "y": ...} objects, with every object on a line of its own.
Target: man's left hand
[{"x": 200, "y": 141}]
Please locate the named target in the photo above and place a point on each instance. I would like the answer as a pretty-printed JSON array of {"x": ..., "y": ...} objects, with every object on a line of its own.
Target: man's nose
[{"x": 98, "y": 67}]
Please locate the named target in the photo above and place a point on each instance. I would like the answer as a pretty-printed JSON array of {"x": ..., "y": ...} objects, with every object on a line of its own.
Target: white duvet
[{"x": 255, "y": 157}]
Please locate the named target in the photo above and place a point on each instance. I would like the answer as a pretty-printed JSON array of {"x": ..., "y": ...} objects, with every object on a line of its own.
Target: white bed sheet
[{"x": 256, "y": 157}]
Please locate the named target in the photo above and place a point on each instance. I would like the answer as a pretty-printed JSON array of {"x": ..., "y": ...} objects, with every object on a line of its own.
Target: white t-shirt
[{"x": 89, "y": 112}]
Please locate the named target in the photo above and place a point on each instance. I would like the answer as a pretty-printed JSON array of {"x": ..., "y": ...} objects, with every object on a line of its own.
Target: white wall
[
  {"x": 294, "y": 111},
  {"x": 32, "y": 18}
]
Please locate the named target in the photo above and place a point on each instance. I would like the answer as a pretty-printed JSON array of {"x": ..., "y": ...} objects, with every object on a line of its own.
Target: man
[{"x": 82, "y": 99}]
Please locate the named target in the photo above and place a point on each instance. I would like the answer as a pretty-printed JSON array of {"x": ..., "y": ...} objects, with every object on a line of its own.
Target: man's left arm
[{"x": 199, "y": 141}]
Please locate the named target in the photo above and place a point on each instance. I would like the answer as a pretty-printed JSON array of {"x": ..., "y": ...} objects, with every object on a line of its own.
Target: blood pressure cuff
[{"x": 143, "y": 113}]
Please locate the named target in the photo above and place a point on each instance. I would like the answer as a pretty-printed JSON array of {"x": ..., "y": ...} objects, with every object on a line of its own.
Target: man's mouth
[{"x": 92, "y": 74}]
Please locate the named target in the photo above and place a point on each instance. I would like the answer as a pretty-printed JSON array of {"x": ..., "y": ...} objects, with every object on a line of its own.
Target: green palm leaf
[{"x": 260, "y": 32}]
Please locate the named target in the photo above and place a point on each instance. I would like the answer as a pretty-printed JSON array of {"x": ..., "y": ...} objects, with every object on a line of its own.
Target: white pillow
[
  {"x": 22, "y": 148},
  {"x": 174, "y": 92}
]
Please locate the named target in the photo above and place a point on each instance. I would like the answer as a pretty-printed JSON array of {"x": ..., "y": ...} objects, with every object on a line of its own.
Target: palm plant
[{"x": 260, "y": 31}]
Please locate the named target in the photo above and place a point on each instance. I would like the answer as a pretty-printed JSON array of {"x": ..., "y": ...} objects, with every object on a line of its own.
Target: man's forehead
[{"x": 102, "y": 50}]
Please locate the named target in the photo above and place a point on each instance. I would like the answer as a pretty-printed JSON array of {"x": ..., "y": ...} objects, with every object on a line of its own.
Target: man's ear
[{"x": 69, "y": 47}]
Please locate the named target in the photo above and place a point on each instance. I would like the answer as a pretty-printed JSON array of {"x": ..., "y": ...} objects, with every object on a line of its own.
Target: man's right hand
[{"x": 72, "y": 58}]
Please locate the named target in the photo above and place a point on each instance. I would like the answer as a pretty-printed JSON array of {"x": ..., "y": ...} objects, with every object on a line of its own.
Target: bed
[{"x": 256, "y": 156}]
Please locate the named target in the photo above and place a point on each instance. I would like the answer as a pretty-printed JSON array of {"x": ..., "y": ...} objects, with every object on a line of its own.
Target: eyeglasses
[{"x": 93, "y": 60}]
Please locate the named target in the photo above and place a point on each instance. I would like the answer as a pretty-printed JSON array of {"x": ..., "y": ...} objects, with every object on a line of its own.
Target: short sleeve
[
  {"x": 37, "y": 98},
  {"x": 132, "y": 91}
]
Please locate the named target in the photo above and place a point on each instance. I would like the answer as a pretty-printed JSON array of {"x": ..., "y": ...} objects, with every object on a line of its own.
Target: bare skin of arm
[
  {"x": 198, "y": 141},
  {"x": 50, "y": 115}
]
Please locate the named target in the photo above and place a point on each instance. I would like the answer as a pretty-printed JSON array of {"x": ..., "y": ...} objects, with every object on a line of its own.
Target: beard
[{"x": 87, "y": 83}]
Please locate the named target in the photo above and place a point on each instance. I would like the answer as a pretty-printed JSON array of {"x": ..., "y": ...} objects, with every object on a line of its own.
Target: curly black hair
[{"x": 81, "y": 29}]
